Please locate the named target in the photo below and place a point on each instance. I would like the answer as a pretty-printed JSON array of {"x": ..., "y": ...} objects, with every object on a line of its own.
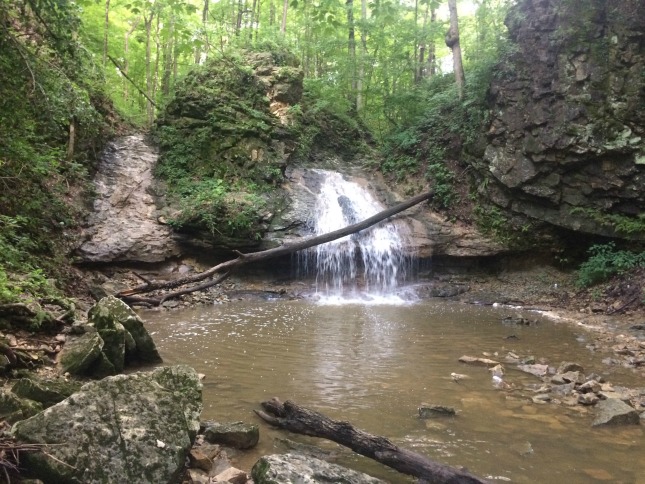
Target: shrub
[{"x": 605, "y": 261}]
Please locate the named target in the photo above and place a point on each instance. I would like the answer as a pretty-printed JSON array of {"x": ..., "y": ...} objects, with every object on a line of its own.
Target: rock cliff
[{"x": 565, "y": 142}]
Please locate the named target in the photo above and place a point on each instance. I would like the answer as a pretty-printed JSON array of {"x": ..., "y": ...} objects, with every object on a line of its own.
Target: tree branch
[
  {"x": 131, "y": 81},
  {"x": 301, "y": 420},
  {"x": 245, "y": 259}
]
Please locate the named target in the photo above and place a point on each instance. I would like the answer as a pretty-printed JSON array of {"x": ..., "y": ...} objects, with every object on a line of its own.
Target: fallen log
[
  {"x": 297, "y": 419},
  {"x": 227, "y": 267}
]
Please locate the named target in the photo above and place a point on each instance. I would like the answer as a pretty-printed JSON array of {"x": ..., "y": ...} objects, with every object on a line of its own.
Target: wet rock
[
  {"x": 588, "y": 399},
  {"x": 125, "y": 428},
  {"x": 619, "y": 395},
  {"x": 542, "y": 398},
  {"x": 237, "y": 434},
  {"x": 473, "y": 360},
  {"x": 296, "y": 468},
  {"x": 573, "y": 377},
  {"x": 563, "y": 389},
  {"x": 443, "y": 290},
  {"x": 615, "y": 412},
  {"x": 198, "y": 476},
  {"x": 537, "y": 370},
  {"x": 589, "y": 386},
  {"x": 232, "y": 475},
  {"x": 518, "y": 321},
  {"x": 199, "y": 460},
  {"x": 434, "y": 411},
  {"x": 567, "y": 366}
]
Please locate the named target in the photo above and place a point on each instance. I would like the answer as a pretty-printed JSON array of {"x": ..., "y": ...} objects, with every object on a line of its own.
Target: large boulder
[
  {"x": 296, "y": 468},
  {"x": 126, "y": 428}
]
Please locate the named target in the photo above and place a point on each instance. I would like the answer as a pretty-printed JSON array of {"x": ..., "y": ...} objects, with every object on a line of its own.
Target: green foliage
[
  {"x": 49, "y": 84},
  {"x": 606, "y": 261},
  {"x": 622, "y": 224},
  {"x": 222, "y": 209},
  {"x": 439, "y": 127},
  {"x": 494, "y": 222},
  {"x": 19, "y": 276}
]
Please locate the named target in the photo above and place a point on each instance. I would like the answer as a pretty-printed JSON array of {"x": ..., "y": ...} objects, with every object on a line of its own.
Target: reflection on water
[{"x": 374, "y": 365}]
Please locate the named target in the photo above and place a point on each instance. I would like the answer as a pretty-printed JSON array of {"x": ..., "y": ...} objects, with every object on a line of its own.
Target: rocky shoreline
[{"x": 43, "y": 377}]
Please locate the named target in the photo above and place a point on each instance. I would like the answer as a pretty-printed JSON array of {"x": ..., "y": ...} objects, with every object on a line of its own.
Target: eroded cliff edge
[{"x": 565, "y": 142}]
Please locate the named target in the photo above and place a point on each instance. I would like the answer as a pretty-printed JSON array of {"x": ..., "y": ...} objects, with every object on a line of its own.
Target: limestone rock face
[
  {"x": 124, "y": 223},
  {"x": 298, "y": 468},
  {"x": 126, "y": 428},
  {"x": 566, "y": 140}
]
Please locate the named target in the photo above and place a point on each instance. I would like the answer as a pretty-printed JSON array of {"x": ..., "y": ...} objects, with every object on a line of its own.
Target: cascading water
[{"x": 369, "y": 265}]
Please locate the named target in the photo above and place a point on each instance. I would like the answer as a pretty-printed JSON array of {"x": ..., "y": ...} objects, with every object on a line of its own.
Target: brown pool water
[{"x": 374, "y": 365}]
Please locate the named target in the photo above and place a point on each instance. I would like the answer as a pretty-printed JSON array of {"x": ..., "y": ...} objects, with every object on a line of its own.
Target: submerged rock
[
  {"x": 237, "y": 434},
  {"x": 126, "y": 428},
  {"x": 433, "y": 411},
  {"x": 297, "y": 469}
]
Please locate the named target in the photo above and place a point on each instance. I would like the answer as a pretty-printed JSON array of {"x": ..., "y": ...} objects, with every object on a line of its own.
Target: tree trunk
[
  {"x": 105, "y": 32},
  {"x": 283, "y": 26},
  {"x": 147, "y": 20},
  {"x": 155, "y": 77},
  {"x": 432, "y": 49},
  {"x": 198, "y": 50},
  {"x": 126, "y": 64},
  {"x": 71, "y": 143},
  {"x": 360, "y": 99},
  {"x": 301, "y": 420},
  {"x": 168, "y": 48},
  {"x": 452, "y": 41},
  {"x": 225, "y": 268},
  {"x": 351, "y": 50}
]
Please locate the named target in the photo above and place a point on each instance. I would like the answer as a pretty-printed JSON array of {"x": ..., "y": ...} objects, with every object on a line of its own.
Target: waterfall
[{"x": 369, "y": 265}]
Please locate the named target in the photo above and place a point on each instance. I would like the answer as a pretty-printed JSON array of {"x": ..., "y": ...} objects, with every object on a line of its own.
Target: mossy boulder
[
  {"x": 125, "y": 428},
  {"x": 123, "y": 332},
  {"x": 45, "y": 392},
  {"x": 13, "y": 408},
  {"x": 79, "y": 354}
]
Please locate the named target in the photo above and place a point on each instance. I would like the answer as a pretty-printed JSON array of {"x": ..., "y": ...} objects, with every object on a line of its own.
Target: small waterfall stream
[{"x": 367, "y": 266}]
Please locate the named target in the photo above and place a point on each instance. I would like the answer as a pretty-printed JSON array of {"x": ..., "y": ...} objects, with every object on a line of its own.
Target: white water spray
[{"x": 367, "y": 266}]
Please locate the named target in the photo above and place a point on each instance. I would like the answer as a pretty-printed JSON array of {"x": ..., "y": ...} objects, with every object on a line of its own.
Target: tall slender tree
[{"x": 452, "y": 41}]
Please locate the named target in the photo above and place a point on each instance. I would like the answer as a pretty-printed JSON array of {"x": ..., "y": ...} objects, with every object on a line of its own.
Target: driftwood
[
  {"x": 301, "y": 420},
  {"x": 225, "y": 268}
]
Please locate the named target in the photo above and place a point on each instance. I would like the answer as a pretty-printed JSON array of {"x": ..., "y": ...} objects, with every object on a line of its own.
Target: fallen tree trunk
[
  {"x": 245, "y": 259},
  {"x": 301, "y": 420}
]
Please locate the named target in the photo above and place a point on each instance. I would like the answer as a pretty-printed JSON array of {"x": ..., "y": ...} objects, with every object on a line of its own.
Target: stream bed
[{"x": 373, "y": 365}]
